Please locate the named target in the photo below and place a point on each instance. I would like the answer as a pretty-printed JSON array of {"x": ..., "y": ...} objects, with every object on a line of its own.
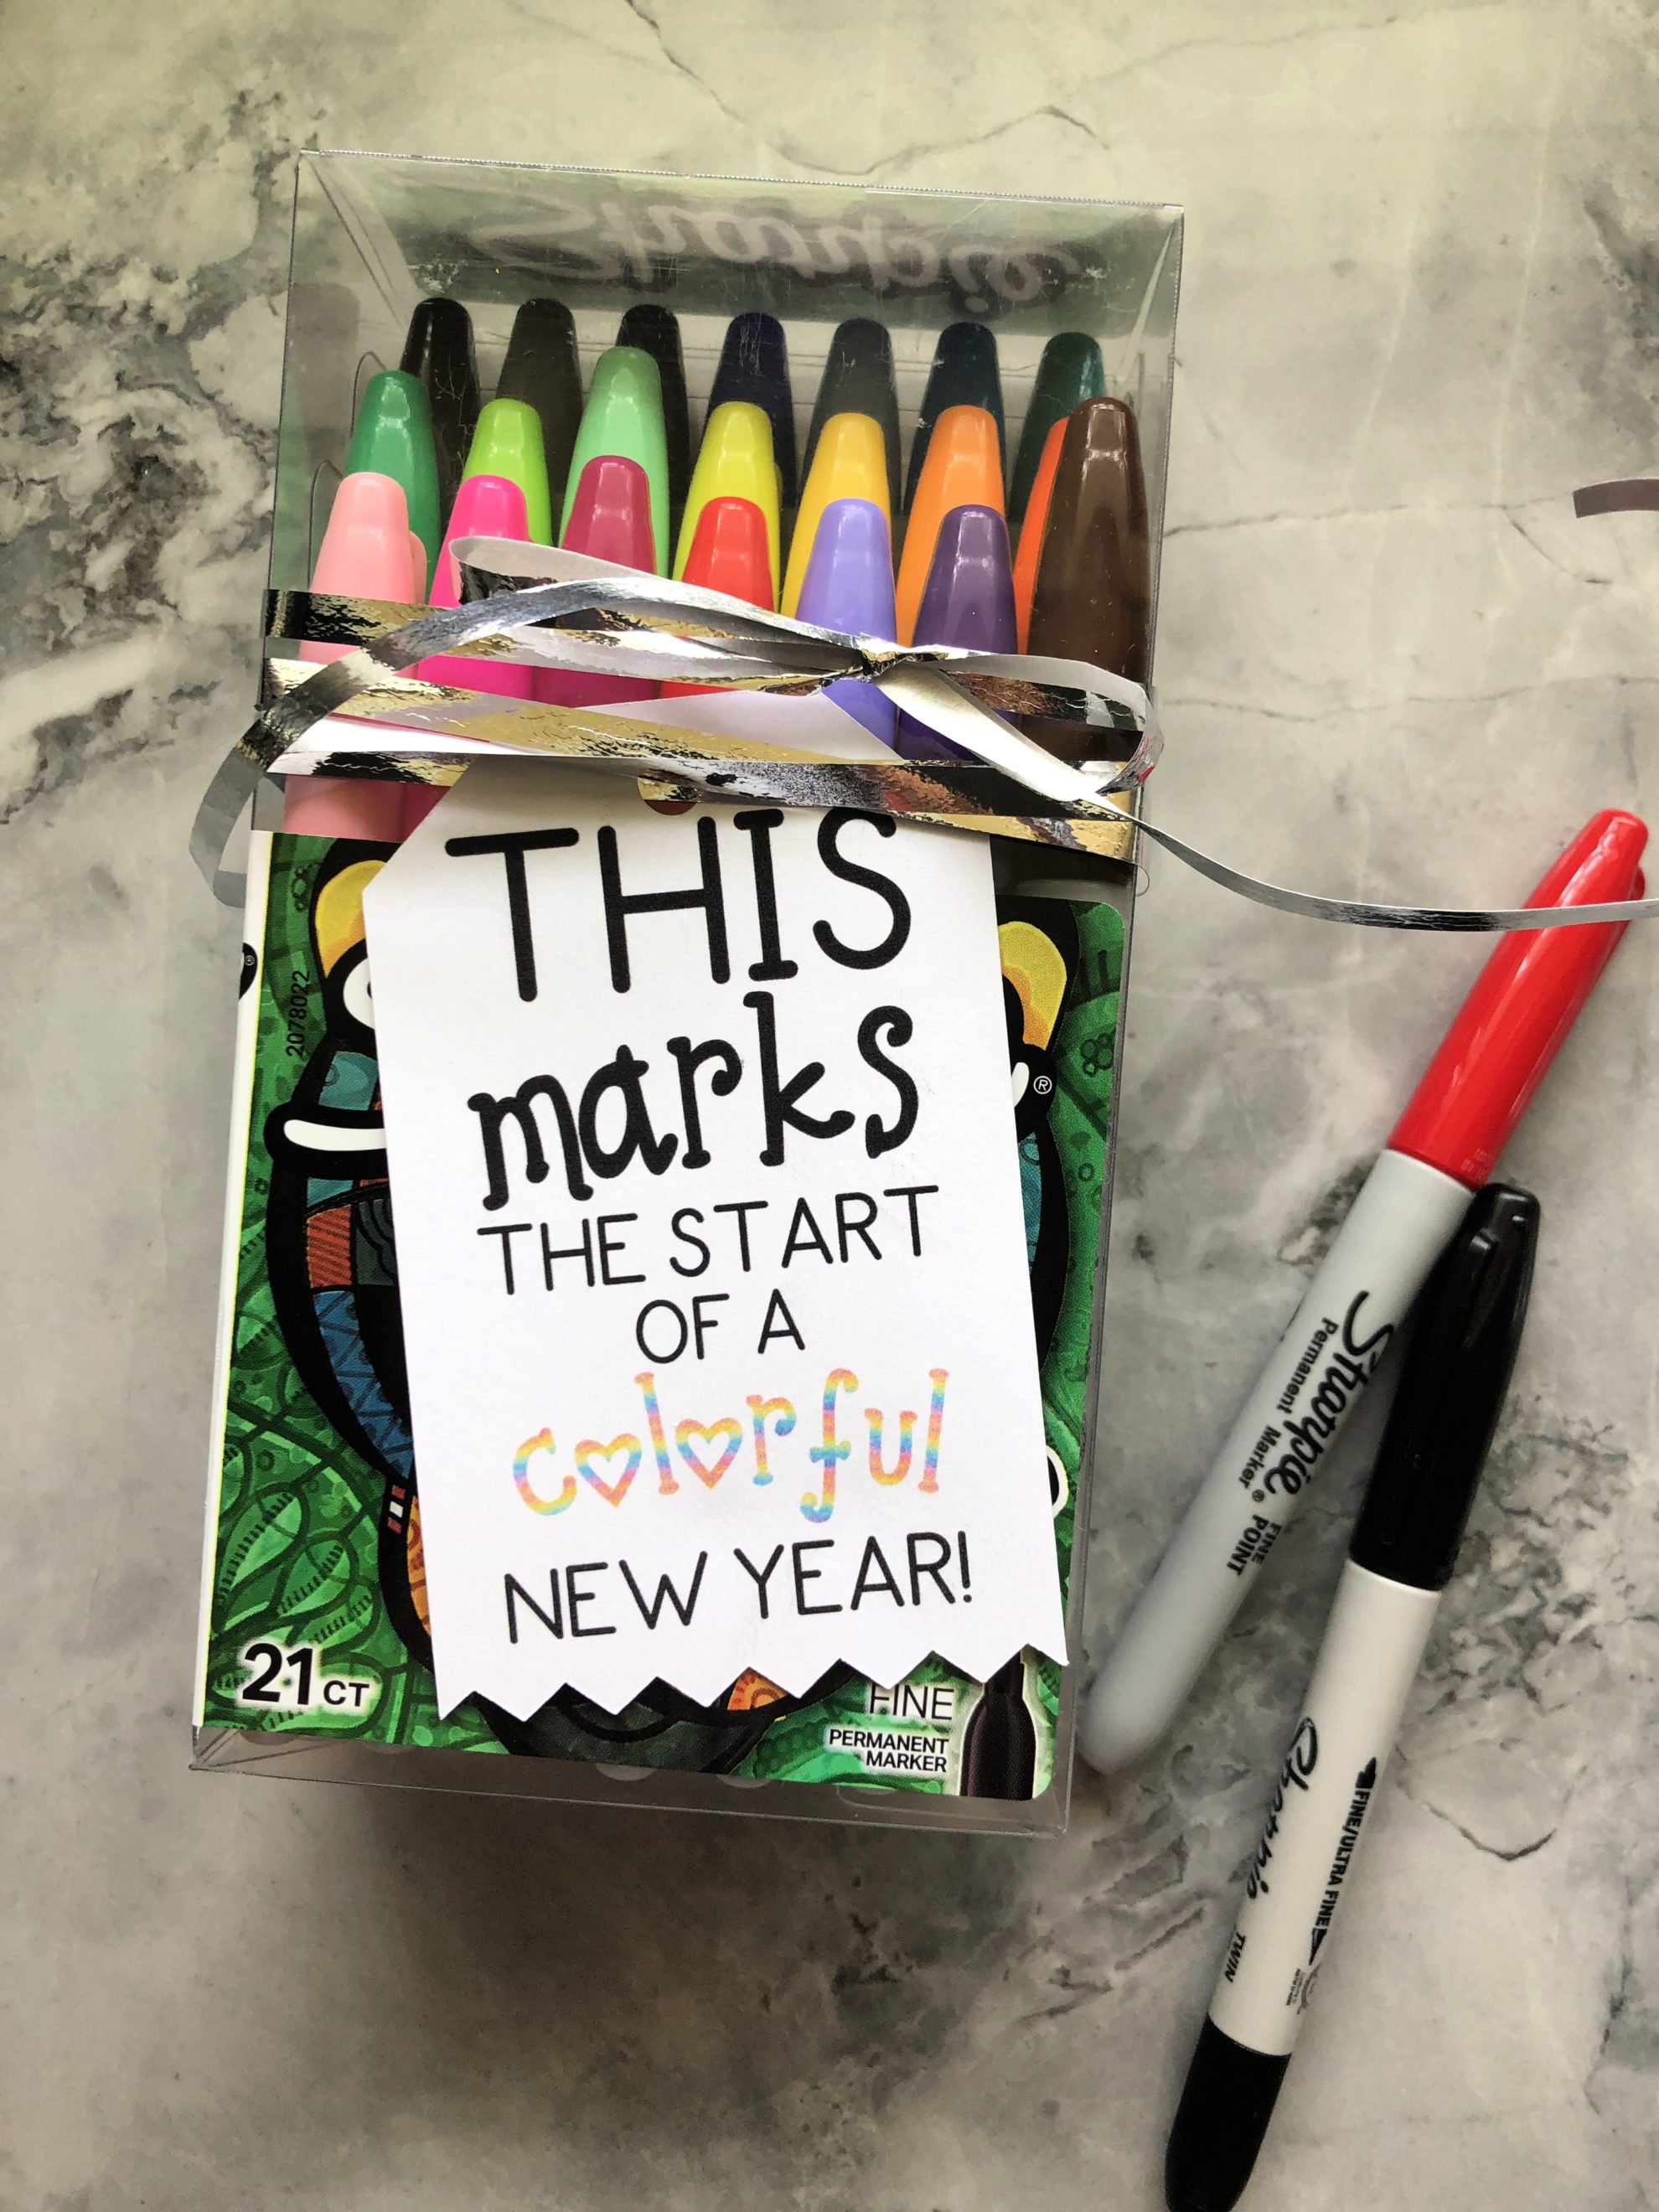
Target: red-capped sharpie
[
  {"x": 609, "y": 520},
  {"x": 1444, "y": 1146},
  {"x": 730, "y": 553}
]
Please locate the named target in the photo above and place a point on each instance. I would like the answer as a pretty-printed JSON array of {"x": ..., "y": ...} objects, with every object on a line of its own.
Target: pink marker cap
[
  {"x": 365, "y": 550},
  {"x": 485, "y": 507}
]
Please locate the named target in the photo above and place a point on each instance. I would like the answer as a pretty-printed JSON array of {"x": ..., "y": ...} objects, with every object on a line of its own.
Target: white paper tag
[{"x": 710, "y": 1245}]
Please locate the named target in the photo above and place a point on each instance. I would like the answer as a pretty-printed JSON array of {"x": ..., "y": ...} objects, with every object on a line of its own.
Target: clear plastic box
[{"x": 372, "y": 236}]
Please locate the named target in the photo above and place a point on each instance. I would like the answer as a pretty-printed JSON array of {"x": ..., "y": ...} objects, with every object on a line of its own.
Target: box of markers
[{"x": 868, "y": 408}]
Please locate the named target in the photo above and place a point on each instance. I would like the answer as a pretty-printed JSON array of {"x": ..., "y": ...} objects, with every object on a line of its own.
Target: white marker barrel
[
  {"x": 1400, "y": 1222},
  {"x": 1321, "y": 1801}
]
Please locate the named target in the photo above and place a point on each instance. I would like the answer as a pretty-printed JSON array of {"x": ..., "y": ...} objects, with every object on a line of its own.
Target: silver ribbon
[{"x": 648, "y": 628}]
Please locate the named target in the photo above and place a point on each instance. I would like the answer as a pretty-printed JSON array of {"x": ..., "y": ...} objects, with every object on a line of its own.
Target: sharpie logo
[
  {"x": 1339, "y": 1361},
  {"x": 1365, "y": 1783},
  {"x": 1300, "y": 1761},
  {"x": 644, "y": 242}
]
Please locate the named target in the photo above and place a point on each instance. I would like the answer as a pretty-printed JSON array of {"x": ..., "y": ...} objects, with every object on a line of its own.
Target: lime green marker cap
[
  {"x": 623, "y": 415},
  {"x": 508, "y": 442},
  {"x": 392, "y": 437}
]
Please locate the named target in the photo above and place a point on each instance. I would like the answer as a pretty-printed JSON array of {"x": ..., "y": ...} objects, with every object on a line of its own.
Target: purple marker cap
[
  {"x": 968, "y": 601},
  {"x": 849, "y": 586}
]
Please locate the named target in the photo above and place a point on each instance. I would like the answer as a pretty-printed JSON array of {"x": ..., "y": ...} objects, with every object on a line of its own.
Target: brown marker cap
[{"x": 1093, "y": 598}]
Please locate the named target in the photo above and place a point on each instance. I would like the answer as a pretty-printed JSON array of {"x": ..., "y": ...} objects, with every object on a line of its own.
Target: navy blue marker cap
[
  {"x": 1452, "y": 1386},
  {"x": 755, "y": 367},
  {"x": 964, "y": 373}
]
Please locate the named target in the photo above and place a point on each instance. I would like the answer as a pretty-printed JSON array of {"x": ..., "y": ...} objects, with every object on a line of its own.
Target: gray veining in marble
[{"x": 1421, "y": 304}]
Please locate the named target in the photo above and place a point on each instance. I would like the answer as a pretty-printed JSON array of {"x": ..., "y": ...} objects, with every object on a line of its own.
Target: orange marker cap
[
  {"x": 1031, "y": 531},
  {"x": 963, "y": 468}
]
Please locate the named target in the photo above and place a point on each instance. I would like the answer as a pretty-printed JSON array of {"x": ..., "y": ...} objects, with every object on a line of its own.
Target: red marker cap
[
  {"x": 729, "y": 553},
  {"x": 1525, "y": 1000}
]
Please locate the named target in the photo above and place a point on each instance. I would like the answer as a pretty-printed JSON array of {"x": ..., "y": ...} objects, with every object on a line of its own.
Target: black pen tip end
[{"x": 1219, "y": 2123}]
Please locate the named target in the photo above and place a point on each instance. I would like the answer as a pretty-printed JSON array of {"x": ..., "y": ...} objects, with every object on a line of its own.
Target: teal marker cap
[{"x": 392, "y": 437}]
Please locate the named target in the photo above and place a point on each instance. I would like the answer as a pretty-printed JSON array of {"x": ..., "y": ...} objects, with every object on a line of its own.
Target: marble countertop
[{"x": 1421, "y": 304}]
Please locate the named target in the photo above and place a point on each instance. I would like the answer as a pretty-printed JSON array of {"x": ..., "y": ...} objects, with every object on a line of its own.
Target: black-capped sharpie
[
  {"x": 1444, "y": 1147},
  {"x": 1404, "y": 1549}
]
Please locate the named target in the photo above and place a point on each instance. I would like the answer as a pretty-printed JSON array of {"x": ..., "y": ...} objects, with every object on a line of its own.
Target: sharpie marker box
[{"x": 316, "y": 1651}]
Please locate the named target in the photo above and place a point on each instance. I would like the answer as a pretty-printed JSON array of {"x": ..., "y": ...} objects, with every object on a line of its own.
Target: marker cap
[
  {"x": 439, "y": 350},
  {"x": 1452, "y": 1388},
  {"x": 848, "y": 585},
  {"x": 544, "y": 369},
  {"x": 733, "y": 462},
  {"x": 963, "y": 468},
  {"x": 754, "y": 366},
  {"x": 728, "y": 553},
  {"x": 624, "y": 416},
  {"x": 508, "y": 442},
  {"x": 610, "y": 518},
  {"x": 1525, "y": 1001},
  {"x": 365, "y": 552},
  {"x": 969, "y": 598},
  {"x": 1070, "y": 372},
  {"x": 610, "y": 513},
  {"x": 968, "y": 601},
  {"x": 850, "y": 463},
  {"x": 392, "y": 437},
  {"x": 1092, "y": 600},
  {"x": 485, "y": 507},
  {"x": 655, "y": 331},
  {"x": 1030, "y": 551},
  {"x": 858, "y": 379},
  {"x": 1220, "y": 2122},
  {"x": 964, "y": 373}
]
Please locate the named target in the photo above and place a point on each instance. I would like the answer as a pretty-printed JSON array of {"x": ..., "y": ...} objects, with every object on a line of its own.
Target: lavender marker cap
[
  {"x": 849, "y": 586},
  {"x": 968, "y": 601}
]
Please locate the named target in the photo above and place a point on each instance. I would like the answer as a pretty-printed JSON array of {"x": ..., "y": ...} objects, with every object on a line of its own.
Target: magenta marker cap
[
  {"x": 485, "y": 507},
  {"x": 849, "y": 586},
  {"x": 609, "y": 521},
  {"x": 968, "y": 601}
]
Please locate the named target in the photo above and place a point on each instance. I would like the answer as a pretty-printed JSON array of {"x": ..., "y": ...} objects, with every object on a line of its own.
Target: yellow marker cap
[
  {"x": 734, "y": 461},
  {"x": 849, "y": 462}
]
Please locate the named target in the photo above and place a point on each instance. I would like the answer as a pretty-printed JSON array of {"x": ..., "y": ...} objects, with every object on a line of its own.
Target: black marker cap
[
  {"x": 858, "y": 379},
  {"x": 655, "y": 331},
  {"x": 544, "y": 369},
  {"x": 439, "y": 350},
  {"x": 1452, "y": 1388},
  {"x": 755, "y": 366},
  {"x": 1219, "y": 2123}
]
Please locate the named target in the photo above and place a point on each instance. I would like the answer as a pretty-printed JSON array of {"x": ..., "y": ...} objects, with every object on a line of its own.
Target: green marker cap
[
  {"x": 623, "y": 415},
  {"x": 392, "y": 437},
  {"x": 655, "y": 331},
  {"x": 1070, "y": 372},
  {"x": 508, "y": 442}
]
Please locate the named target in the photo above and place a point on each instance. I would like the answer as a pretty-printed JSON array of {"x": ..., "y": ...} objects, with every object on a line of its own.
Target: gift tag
[{"x": 710, "y": 1243}]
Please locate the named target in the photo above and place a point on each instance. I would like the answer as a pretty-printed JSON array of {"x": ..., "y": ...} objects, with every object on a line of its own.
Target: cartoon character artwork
[
  {"x": 333, "y": 1270},
  {"x": 1039, "y": 946},
  {"x": 329, "y": 1254}
]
